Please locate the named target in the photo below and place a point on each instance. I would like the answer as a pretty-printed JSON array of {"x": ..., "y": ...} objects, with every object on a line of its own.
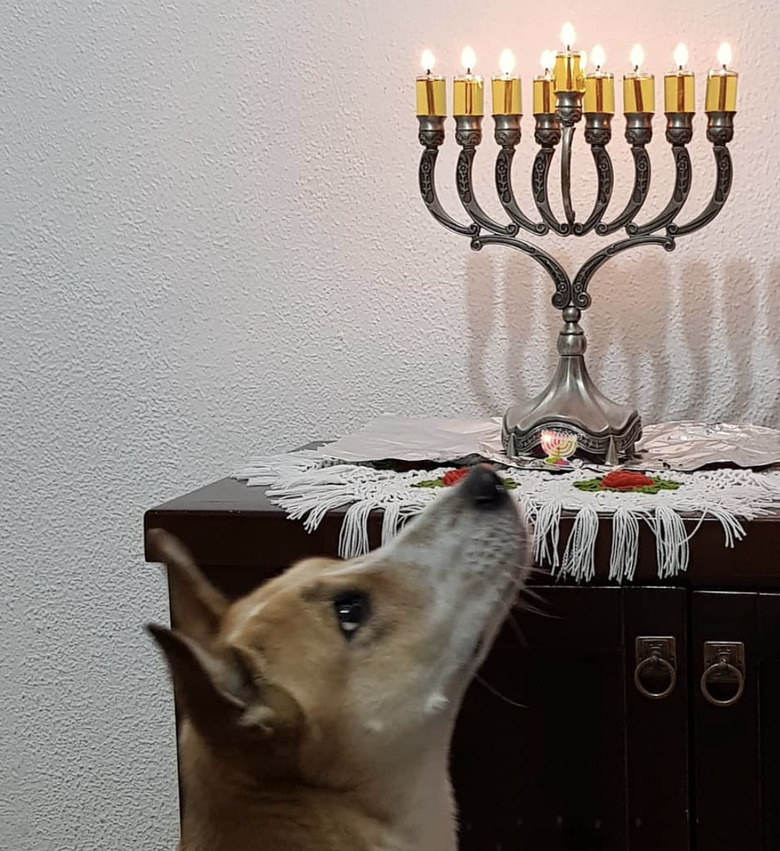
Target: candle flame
[
  {"x": 637, "y": 55},
  {"x": 506, "y": 62},
  {"x": 681, "y": 55},
  {"x": 724, "y": 54},
  {"x": 428, "y": 60},
  {"x": 548, "y": 59},
  {"x": 597, "y": 56},
  {"x": 568, "y": 34},
  {"x": 468, "y": 59}
]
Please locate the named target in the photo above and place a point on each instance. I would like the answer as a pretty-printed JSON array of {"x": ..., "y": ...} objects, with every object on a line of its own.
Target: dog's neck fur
[{"x": 227, "y": 811}]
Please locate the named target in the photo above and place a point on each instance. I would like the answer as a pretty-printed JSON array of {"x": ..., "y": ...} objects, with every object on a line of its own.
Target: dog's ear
[
  {"x": 220, "y": 694},
  {"x": 210, "y": 690},
  {"x": 196, "y": 606}
]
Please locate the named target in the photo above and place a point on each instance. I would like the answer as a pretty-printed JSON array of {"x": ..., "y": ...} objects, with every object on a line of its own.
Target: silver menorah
[{"x": 572, "y": 401}]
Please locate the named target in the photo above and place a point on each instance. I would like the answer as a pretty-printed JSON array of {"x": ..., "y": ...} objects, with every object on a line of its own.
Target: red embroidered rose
[
  {"x": 454, "y": 476},
  {"x": 624, "y": 480}
]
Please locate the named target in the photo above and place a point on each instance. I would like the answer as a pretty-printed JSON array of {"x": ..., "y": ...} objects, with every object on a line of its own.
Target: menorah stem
[
  {"x": 568, "y": 209},
  {"x": 569, "y": 109},
  {"x": 573, "y": 402}
]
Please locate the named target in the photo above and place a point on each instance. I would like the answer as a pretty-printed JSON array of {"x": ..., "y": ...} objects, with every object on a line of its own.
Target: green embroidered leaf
[{"x": 593, "y": 485}]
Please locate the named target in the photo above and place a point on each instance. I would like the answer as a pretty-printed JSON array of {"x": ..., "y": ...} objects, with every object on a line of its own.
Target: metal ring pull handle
[
  {"x": 722, "y": 666},
  {"x": 655, "y": 659}
]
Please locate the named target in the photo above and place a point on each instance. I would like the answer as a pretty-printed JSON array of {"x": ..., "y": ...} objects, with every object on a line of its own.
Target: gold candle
[
  {"x": 722, "y": 84},
  {"x": 679, "y": 91},
  {"x": 467, "y": 92},
  {"x": 599, "y": 86},
  {"x": 431, "y": 90},
  {"x": 431, "y": 95},
  {"x": 544, "y": 97},
  {"x": 599, "y": 93},
  {"x": 507, "y": 96},
  {"x": 568, "y": 75},
  {"x": 638, "y": 87},
  {"x": 638, "y": 92},
  {"x": 507, "y": 92}
]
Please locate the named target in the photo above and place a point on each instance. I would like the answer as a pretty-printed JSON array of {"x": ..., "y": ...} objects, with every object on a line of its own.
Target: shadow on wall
[{"x": 695, "y": 341}]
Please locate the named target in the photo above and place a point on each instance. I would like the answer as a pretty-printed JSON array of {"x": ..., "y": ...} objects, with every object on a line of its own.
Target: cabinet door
[
  {"x": 658, "y": 780},
  {"x": 769, "y": 708},
  {"x": 726, "y": 750},
  {"x": 584, "y": 763}
]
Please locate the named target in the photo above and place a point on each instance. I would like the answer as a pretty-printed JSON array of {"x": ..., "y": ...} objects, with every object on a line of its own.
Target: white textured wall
[{"x": 211, "y": 243}]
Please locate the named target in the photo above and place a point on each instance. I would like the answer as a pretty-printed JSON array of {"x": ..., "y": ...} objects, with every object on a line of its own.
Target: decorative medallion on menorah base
[{"x": 605, "y": 429}]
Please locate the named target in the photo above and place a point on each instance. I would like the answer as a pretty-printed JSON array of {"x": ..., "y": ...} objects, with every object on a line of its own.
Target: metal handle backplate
[
  {"x": 655, "y": 652},
  {"x": 724, "y": 663}
]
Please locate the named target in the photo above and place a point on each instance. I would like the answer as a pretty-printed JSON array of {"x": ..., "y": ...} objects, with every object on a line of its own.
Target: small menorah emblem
[{"x": 571, "y": 401}]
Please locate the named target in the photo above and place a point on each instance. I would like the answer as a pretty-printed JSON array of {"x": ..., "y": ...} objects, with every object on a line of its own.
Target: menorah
[{"x": 572, "y": 401}]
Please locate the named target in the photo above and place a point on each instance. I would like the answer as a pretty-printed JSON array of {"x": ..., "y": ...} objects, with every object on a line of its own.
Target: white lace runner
[{"x": 308, "y": 484}]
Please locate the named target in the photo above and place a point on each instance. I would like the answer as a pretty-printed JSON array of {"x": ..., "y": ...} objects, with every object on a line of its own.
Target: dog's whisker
[
  {"x": 494, "y": 691},
  {"x": 516, "y": 629}
]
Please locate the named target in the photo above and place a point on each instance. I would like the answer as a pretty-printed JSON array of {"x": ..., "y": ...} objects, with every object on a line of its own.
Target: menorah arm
[
  {"x": 548, "y": 134},
  {"x": 432, "y": 137},
  {"x": 568, "y": 208},
  {"x": 598, "y": 133},
  {"x": 679, "y": 133},
  {"x": 580, "y": 297},
  {"x": 639, "y": 133},
  {"x": 468, "y": 135},
  {"x": 507, "y": 134},
  {"x": 720, "y": 132},
  {"x": 553, "y": 268}
]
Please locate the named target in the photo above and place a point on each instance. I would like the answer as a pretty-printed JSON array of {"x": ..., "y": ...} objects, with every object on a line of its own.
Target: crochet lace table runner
[{"x": 307, "y": 484}]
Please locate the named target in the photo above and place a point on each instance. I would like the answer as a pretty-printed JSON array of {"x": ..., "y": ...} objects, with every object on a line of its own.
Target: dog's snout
[{"x": 484, "y": 487}]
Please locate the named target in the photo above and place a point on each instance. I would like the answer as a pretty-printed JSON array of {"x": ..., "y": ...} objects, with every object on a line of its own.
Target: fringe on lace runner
[{"x": 308, "y": 484}]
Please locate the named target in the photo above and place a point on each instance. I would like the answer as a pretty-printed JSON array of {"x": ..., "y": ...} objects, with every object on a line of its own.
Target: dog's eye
[{"x": 351, "y": 608}]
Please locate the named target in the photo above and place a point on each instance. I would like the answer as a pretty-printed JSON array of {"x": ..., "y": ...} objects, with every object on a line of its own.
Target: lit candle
[
  {"x": 507, "y": 94},
  {"x": 431, "y": 90},
  {"x": 599, "y": 86},
  {"x": 638, "y": 87},
  {"x": 722, "y": 84},
  {"x": 679, "y": 95},
  {"x": 544, "y": 99},
  {"x": 468, "y": 97},
  {"x": 568, "y": 73}
]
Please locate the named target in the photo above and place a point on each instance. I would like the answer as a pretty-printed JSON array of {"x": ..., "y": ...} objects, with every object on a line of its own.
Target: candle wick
[
  {"x": 636, "y": 69},
  {"x": 724, "y": 66}
]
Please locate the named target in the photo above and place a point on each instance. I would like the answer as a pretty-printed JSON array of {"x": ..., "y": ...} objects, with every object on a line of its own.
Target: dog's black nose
[{"x": 483, "y": 486}]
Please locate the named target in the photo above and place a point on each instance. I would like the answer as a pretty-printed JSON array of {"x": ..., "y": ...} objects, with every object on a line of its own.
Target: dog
[{"x": 316, "y": 713}]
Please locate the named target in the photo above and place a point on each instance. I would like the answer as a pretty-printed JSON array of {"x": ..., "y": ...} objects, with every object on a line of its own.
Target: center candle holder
[{"x": 572, "y": 401}]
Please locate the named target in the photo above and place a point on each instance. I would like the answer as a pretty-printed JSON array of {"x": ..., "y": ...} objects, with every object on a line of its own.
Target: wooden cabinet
[{"x": 556, "y": 746}]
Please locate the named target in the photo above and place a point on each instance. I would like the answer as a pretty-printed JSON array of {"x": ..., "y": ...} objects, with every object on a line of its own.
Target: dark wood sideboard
[{"x": 587, "y": 762}]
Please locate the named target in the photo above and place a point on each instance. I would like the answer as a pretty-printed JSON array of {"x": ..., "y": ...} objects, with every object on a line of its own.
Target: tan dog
[{"x": 318, "y": 710}]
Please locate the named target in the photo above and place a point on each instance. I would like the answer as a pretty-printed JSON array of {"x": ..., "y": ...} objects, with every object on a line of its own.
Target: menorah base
[{"x": 605, "y": 430}]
